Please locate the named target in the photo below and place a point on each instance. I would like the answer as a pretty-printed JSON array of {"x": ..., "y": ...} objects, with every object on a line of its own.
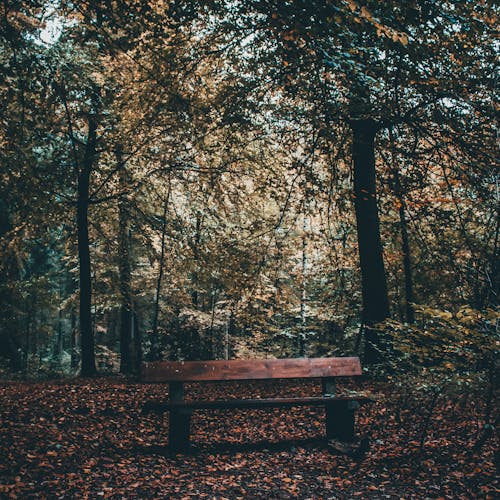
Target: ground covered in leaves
[{"x": 88, "y": 439}]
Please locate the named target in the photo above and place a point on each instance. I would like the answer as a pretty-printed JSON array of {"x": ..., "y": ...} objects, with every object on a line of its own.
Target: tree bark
[
  {"x": 303, "y": 292},
  {"x": 155, "y": 350},
  {"x": 493, "y": 294},
  {"x": 86, "y": 330},
  {"x": 74, "y": 340},
  {"x": 374, "y": 285},
  {"x": 124, "y": 268},
  {"x": 194, "y": 279},
  {"x": 137, "y": 345},
  {"x": 405, "y": 247}
]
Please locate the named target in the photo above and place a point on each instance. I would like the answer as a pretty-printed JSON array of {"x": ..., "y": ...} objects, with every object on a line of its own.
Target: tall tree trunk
[
  {"x": 227, "y": 328},
  {"x": 211, "y": 348},
  {"x": 493, "y": 293},
  {"x": 137, "y": 345},
  {"x": 86, "y": 330},
  {"x": 405, "y": 247},
  {"x": 303, "y": 292},
  {"x": 59, "y": 345},
  {"x": 125, "y": 276},
  {"x": 194, "y": 278},
  {"x": 27, "y": 338},
  {"x": 374, "y": 285},
  {"x": 156, "y": 344},
  {"x": 74, "y": 340}
]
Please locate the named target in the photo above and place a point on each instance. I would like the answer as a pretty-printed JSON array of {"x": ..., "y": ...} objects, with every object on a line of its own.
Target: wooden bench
[{"x": 339, "y": 409}]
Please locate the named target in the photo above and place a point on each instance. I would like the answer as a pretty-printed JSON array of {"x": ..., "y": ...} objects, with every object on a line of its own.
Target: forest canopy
[{"x": 247, "y": 178}]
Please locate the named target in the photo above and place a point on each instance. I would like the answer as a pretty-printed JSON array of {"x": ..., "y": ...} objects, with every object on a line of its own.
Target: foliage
[
  {"x": 444, "y": 353},
  {"x": 224, "y": 153},
  {"x": 451, "y": 344}
]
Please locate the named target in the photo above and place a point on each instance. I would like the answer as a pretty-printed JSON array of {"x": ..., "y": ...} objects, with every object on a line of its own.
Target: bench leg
[
  {"x": 340, "y": 420},
  {"x": 178, "y": 430}
]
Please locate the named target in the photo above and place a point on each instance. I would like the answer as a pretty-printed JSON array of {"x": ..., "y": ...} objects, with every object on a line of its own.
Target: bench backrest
[{"x": 249, "y": 369}]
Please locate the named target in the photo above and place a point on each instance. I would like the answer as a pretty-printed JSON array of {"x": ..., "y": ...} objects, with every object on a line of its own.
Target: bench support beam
[
  {"x": 340, "y": 420},
  {"x": 179, "y": 420},
  {"x": 178, "y": 430}
]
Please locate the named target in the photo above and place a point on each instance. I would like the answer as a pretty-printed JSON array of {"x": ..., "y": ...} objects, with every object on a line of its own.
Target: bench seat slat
[{"x": 250, "y": 369}]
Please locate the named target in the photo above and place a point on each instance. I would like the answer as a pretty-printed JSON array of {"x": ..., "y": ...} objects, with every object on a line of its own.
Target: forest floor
[{"x": 88, "y": 439}]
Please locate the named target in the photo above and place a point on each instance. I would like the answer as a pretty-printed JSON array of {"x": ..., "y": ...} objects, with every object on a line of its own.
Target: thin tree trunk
[
  {"x": 493, "y": 293},
  {"x": 137, "y": 344},
  {"x": 211, "y": 343},
  {"x": 197, "y": 239},
  {"x": 125, "y": 276},
  {"x": 154, "y": 334},
  {"x": 374, "y": 285},
  {"x": 405, "y": 247},
  {"x": 405, "y": 241},
  {"x": 226, "y": 336},
  {"x": 74, "y": 340},
  {"x": 59, "y": 344},
  {"x": 86, "y": 331},
  {"x": 155, "y": 351},
  {"x": 303, "y": 294},
  {"x": 27, "y": 346}
]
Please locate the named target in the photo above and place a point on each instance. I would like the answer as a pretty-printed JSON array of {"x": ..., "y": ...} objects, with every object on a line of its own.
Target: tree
[
  {"x": 373, "y": 48},
  {"x": 170, "y": 154}
]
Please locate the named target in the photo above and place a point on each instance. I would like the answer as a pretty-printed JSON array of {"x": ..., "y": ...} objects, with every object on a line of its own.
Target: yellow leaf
[{"x": 352, "y": 5}]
